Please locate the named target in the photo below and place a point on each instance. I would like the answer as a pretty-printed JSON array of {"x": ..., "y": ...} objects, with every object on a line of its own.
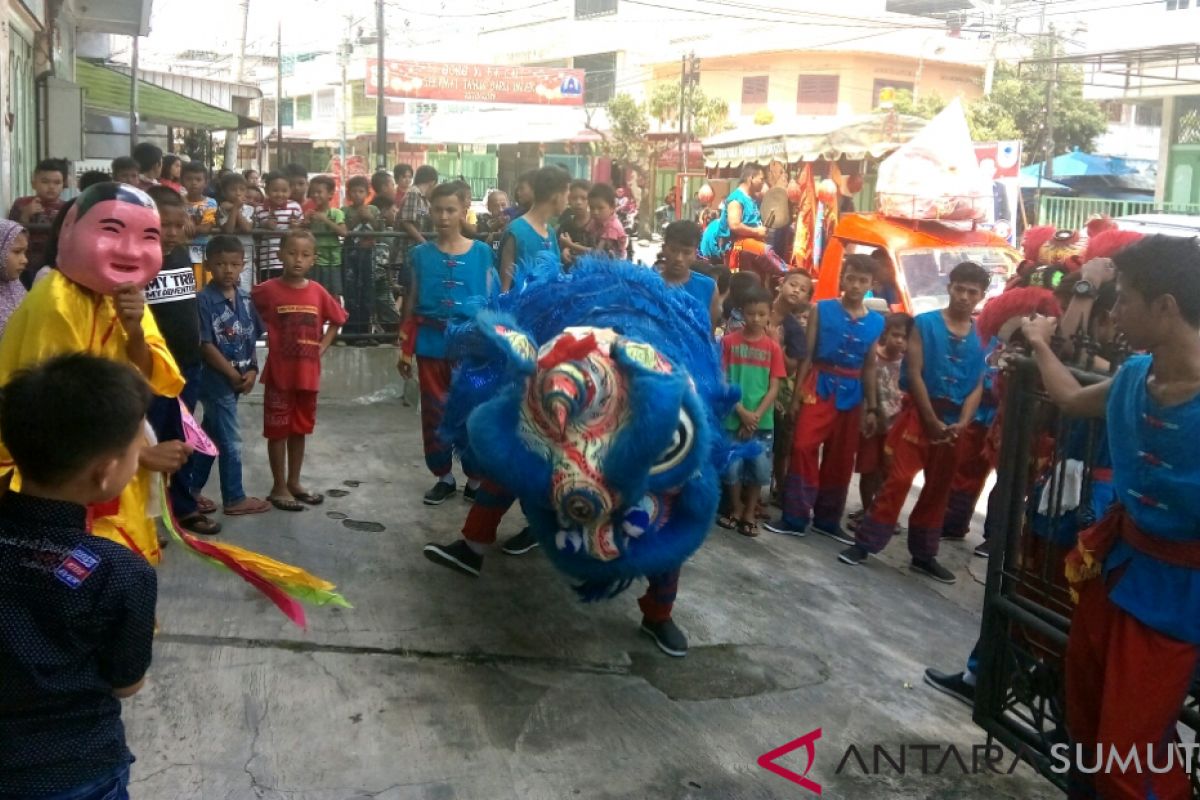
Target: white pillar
[{"x": 1164, "y": 149}]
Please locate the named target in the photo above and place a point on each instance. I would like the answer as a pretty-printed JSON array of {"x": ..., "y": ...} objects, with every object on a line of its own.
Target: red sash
[{"x": 1086, "y": 561}]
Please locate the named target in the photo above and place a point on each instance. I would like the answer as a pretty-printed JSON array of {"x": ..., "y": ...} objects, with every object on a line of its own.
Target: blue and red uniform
[
  {"x": 976, "y": 456},
  {"x": 832, "y": 397},
  {"x": 449, "y": 287},
  {"x": 1135, "y": 636},
  {"x": 953, "y": 368}
]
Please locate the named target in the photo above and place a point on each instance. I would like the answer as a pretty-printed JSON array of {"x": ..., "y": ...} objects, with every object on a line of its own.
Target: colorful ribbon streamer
[{"x": 284, "y": 585}]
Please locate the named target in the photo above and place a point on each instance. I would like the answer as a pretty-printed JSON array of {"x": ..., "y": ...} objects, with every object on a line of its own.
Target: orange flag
[{"x": 806, "y": 218}]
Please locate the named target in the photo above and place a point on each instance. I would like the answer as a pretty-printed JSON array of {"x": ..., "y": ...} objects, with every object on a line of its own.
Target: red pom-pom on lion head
[
  {"x": 1108, "y": 243},
  {"x": 1003, "y": 313}
]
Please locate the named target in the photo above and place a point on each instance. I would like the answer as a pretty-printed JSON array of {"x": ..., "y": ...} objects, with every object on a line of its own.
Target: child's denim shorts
[{"x": 753, "y": 471}]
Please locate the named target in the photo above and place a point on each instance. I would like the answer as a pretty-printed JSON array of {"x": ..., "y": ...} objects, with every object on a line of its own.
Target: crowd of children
[{"x": 826, "y": 388}]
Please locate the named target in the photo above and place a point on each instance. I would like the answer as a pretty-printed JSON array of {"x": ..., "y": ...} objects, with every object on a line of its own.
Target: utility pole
[
  {"x": 239, "y": 75},
  {"x": 279, "y": 97},
  {"x": 1048, "y": 129},
  {"x": 344, "y": 57},
  {"x": 989, "y": 74},
  {"x": 683, "y": 80},
  {"x": 380, "y": 111},
  {"x": 133, "y": 95}
]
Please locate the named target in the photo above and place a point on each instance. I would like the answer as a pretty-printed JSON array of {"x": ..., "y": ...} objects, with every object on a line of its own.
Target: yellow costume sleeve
[{"x": 58, "y": 317}]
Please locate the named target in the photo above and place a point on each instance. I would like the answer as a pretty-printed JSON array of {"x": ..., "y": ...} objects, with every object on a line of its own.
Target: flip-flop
[
  {"x": 727, "y": 522},
  {"x": 747, "y": 528},
  {"x": 309, "y": 498},
  {"x": 258, "y": 507},
  {"x": 200, "y": 524},
  {"x": 205, "y": 506},
  {"x": 285, "y": 504}
]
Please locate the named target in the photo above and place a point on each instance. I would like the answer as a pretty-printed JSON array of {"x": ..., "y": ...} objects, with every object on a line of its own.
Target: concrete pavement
[{"x": 436, "y": 686}]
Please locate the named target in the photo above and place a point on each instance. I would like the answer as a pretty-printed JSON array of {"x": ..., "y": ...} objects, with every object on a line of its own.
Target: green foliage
[
  {"x": 1016, "y": 109},
  {"x": 631, "y": 121}
]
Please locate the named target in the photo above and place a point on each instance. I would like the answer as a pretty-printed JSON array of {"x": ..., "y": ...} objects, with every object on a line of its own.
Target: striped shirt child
[{"x": 285, "y": 217}]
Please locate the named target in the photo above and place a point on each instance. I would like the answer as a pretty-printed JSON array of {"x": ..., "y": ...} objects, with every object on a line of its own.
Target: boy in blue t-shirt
[{"x": 678, "y": 262}]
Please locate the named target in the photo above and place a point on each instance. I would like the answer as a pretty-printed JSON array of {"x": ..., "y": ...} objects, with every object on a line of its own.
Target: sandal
[
  {"x": 309, "y": 498},
  {"x": 285, "y": 503},
  {"x": 248, "y": 505},
  {"x": 200, "y": 524},
  {"x": 204, "y": 505},
  {"x": 727, "y": 522},
  {"x": 747, "y": 528}
]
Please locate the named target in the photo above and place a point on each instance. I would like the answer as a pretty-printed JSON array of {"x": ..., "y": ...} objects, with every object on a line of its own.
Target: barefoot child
[
  {"x": 871, "y": 464},
  {"x": 452, "y": 276},
  {"x": 295, "y": 310},
  {"x": 754, "y": 362}
]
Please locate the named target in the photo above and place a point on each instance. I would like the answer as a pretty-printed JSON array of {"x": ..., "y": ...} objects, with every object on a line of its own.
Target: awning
[
  {"x": 107, "y": 91},
  {"x": 814, "y": 139}
]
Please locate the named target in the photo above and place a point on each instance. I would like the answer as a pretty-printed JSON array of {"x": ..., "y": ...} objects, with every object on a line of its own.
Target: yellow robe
[{"x": 57, "y": 317}]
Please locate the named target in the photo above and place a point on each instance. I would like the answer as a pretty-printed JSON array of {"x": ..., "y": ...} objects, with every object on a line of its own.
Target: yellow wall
[{"x": 857, "y": 73}]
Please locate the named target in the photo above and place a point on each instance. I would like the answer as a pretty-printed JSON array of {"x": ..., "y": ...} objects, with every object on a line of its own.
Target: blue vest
[
  {"x": 527, "y": 245},
  {"x": 953, "y": 365},
  {"x": 843, "y": 342},
  {"x": 449, "y": 287},
  {"x": 1155, "y": 475},
  {"x": 751, "y": 217}
]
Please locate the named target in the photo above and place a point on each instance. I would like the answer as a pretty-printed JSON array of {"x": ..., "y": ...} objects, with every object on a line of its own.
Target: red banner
[{"x": 477, "y": 83}]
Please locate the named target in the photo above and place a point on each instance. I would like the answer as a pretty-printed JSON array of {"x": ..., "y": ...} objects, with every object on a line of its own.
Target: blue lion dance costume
[{"x": 594, "y": 398}]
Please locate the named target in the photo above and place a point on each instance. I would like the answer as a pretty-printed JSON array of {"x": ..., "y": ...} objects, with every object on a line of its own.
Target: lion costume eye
[{"x": 680, "y": 446}]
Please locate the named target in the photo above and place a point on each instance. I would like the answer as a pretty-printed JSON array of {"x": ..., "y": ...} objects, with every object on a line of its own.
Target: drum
[{"x": 775, "y": 210}]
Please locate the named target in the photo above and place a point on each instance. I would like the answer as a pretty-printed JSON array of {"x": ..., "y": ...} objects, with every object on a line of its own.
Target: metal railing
[
  {"x": 1027, "y": 609},
  {"x": 1073, "y": 213}
]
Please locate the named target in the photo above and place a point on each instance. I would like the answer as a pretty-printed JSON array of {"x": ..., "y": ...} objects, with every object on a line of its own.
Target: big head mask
[{"x": 110, "y": 236}]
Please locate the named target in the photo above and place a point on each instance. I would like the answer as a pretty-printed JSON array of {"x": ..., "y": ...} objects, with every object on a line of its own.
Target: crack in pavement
[
  {"x": 476, "y": 658},
  {"x": 257, "y": 728}
]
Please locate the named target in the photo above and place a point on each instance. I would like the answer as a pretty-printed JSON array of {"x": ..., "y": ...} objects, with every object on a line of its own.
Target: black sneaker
[
  {"x": 853, "y": 555},
  {"x": 951, "y": 683},
  {"x": 784, "y": 528},
  {"x": 667, "y": 636},
  {"x": 469, "y": 493},
  {"x": 984, "y": 550},
  {"x": 836, "y": 533},
  {"x": 457, "y": 556},
  {"x": 520, "y": 544},
  {"x": 933, "y": 569},
  {"x": 440, "y": 493}
]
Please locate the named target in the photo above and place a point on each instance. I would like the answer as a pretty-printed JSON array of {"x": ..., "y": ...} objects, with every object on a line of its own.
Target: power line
[{"x": 442, "y": 15}]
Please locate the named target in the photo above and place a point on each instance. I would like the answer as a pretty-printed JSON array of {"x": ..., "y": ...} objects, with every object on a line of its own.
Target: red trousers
[
  {"x": 1125, "y": 685},
  {"x": 433, "y": 377},
  {"x": 910, "y": 453},
  {"x": 491, "y": 504},
  {"x": 975, "y": 463},
  {"x": 820, "y": 490}
]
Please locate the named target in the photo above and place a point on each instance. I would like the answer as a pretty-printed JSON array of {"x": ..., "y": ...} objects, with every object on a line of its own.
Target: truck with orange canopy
[{"x": 920, "y": 254}]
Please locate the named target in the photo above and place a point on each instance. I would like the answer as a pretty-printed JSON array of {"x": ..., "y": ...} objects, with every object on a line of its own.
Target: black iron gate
[{"x": 1050, "y": 484}]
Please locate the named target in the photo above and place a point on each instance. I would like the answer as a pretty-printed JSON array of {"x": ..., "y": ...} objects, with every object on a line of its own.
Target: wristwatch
[{"x": 1084, "y": 288}]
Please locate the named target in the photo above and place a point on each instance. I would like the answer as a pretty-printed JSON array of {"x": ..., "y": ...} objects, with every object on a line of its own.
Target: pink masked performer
[{"x": 108, "y": 251}]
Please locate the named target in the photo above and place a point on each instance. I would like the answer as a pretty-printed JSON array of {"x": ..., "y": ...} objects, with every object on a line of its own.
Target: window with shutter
[
  {"x": 754, "y": 93},
  {"x": 817, "y": 94}
]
